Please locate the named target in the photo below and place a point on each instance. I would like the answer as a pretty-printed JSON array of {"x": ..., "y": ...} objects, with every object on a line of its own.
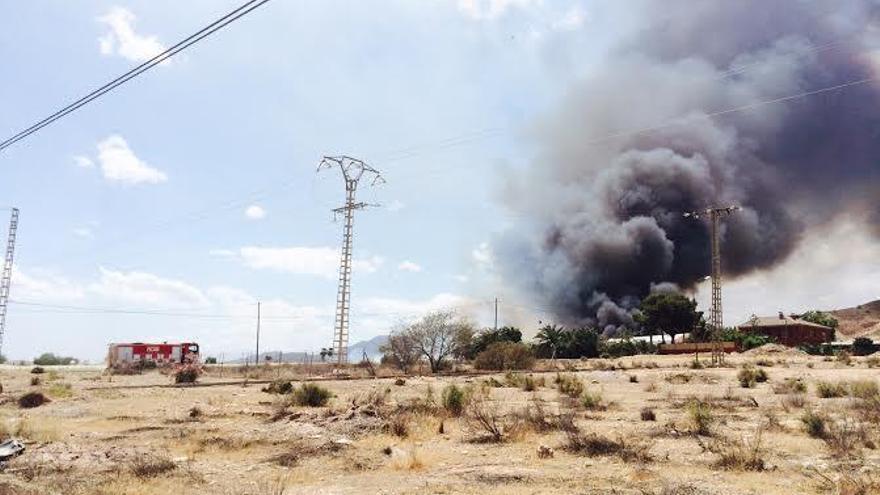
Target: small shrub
[
  {"x": 569, "y": 385},
  {"x": 195, "y": 412},
  {"x": 633, "y": 379},
  {"x": 814, "y": 424},
  {"x": 696, "y": 364},
  {"x": 311, "y": 395},
  {"x": 151, "y": 466},
  {"x": 595, "y": 445},
  {"x": 505, "y": 356},
  {"x": 454, "y": 400},
  {"x": 592, "y": 400},
  {"x": 187, "y": 373},
  {"x": 35, "y": 381},
  {"x": 679, "y": 378},
  {"x": 748, "y": 376},
  {"x": 32, "y": 399},
  {"x": 484, "y": 417},
  {"x": 794, "y": 401},
  {"x": 844, "y": 357},
  {"x": 862, "y": 346},
  {"x": 863, "y": 389},
  {"x": 400, "y": 382},
  {"x": 493, "y": 382},
  {"x": 844, "y": 438},
  {"x": 790, "y": 386},
  {"x": 529, "y": 384},
  {"x": 872, "y": 362},
  {"x": 741, "y": 455},
  {"x": 398, "y": 425},
  {"x": 37, "y": 370},
  {"x": 60, "y": 390},
  {"x": 701, "y": 417},
  {"x": 279, "y": 387},
  {"x": 210, "y": 360},
  {"x": 647, "y": 414},
  {"x": 828, "y": 390}
]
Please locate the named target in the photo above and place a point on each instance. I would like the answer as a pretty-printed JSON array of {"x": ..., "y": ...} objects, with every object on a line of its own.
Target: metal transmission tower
[
  {"x": 353, "y": 170},
  {"x": 7, "y": 274},
  {"x": 716, "y": 322}
]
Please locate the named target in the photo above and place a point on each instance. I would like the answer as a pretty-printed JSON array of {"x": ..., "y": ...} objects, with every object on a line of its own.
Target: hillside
[{"x": 860, "y": 321}]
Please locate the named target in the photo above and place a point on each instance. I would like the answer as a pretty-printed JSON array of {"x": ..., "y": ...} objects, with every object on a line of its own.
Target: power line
[{"x": 199, "y": 35}]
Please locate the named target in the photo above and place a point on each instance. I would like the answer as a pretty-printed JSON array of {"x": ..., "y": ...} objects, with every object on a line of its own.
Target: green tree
[
  {"x": 668, "y": 312},
  {"x": 438, "y": 335},
  {"x": 549, "y": 341},
  {"x": 482, "y": 340}
]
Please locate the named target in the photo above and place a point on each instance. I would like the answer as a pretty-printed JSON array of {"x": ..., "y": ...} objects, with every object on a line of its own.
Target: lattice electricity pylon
[
  {"x": 6, "y": 280},
  {"x": 716, "y": 321},
  {"x": 353, "y": 170}
]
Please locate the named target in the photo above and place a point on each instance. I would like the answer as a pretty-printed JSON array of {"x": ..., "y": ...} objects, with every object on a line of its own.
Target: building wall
[{"x": 793, "y": 335}]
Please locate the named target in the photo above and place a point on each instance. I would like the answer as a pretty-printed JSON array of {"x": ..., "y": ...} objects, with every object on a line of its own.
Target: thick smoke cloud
[{"x": 602, "y": 208}]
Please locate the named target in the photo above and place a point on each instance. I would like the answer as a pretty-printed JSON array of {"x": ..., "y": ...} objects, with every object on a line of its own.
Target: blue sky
[{"x": 193, "y": 190}]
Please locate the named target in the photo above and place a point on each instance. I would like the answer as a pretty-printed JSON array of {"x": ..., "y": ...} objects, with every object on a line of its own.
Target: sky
[{"x": 166, "y": 209}]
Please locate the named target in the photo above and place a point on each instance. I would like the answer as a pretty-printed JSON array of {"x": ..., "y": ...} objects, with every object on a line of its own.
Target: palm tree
[{"x": 551, "y": 339}]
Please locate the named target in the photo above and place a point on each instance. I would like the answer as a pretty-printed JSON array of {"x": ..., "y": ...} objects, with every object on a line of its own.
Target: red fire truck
[{"x": 164, "y": 354}]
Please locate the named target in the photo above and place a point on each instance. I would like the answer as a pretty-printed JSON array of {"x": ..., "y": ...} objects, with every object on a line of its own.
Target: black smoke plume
[{"x": 602, "y": 208}]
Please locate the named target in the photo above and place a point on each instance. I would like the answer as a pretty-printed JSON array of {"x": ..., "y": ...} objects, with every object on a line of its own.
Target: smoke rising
[{"x": 601, "y": 208}]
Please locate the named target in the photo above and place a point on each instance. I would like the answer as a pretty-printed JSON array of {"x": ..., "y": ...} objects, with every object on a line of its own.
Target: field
[{"x": 640, "y": 425}]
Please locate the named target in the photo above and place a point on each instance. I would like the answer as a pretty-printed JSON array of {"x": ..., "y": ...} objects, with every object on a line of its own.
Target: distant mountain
[
  {"x": 371, "y": 347},
  {"x": 355, "y": 353},
  {"x": 860, "y": 321}
]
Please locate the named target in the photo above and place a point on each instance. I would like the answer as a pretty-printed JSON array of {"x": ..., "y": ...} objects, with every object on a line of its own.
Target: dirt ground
[{"x": 118, "y": 435}]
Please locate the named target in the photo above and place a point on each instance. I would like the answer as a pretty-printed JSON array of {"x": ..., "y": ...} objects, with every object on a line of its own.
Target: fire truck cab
[{"x": 164, "y": 354}]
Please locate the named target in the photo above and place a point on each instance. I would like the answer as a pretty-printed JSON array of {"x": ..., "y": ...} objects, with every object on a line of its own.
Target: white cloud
[
  {"x": 409, "y": 266},
  {"x": 119, "y": 163},
  {"x": 396, "y": 205},
  {"x": 322, "y": 261},
  {"x": 222, "y": 253},
  {"x": 393, "y": 308},
  {"x": 122, "y": 40},
  {"x": 83, "y": 161},
  {"x": 146, "y": 289},
  {"x": 492, "y": 9},
  {"x": 43, "y": 287},
  {"x": 482, "y": 255},
  {"x": 573, "y": 19},
  {"x": 255, "y": 212},
  {"x": 83, "y": 233}
]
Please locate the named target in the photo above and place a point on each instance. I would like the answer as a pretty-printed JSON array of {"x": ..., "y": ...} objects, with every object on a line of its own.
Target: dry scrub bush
[
  {"x": 679, "y": 378},
  {"x": 32, "y": 399},
  {"x": 536, "y": 417},
  {"x": 790, "y": 386},
  {"x": 701, "y": 417},
  {"x": 569, "y": 385},
  {"x": 748, "y": 376},
  {"x": 828, "y": 390},
  {"x": 488, "y": 423},
  {"x": 741, "y": 455},
  {"x": 845, "y": 438},
  {"x": 793, "y": 401},
  {"x": 278, "y": 387},
  {"x": 647, "y": 414},
  {"x": 151, "y": 466},
  {"x": 814, "y": 423},
  {"x": 595, "y": 445},
  {"x": 863, "y": 389},
  {"x": 311, "y": 395},
  {"x": 847, "y": 482},
  {"x": 592, "y": 401},
  {"x": 454, "y": 399}
]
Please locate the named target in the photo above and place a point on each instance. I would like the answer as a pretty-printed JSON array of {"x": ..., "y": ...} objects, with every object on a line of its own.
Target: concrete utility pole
[
  {"x": 352, "y": 171},
  {"x": 258, "y": 334},
  {"x": 716, "y": 322},
  {"x": 6, "y": 280}
]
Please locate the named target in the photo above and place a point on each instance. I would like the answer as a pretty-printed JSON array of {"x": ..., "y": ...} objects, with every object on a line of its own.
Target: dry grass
[
  {"x": 744, "y": 454},
  {"x": 596, "y": 445},
  {"x": 829, "y": 390},
  {"x": 152, "y": 466},
  {"x": 488, "y": 424}
]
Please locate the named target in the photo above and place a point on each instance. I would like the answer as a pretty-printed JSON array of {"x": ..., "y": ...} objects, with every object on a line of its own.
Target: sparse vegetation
[
  {"x": 748, "y": 376},
  {"x": 151, "y": 466},
  {"x": 701, "y": 417},
  {"x": 311, "y": 395},
  {"x": 648, "y": 414},
  {"x": 828, "y": 390},
  {"x": 814, "y": 424},
  {"x": 745, "y": 454},
  {"x": 279, "y": 387},
  {"x": 592, "y": 400},
  {"x": 790, "y": 386},
  {"x": 454, "y": 400},
  {"x": 32, "y": 399},
  {"x": 569, "y": 385}
]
